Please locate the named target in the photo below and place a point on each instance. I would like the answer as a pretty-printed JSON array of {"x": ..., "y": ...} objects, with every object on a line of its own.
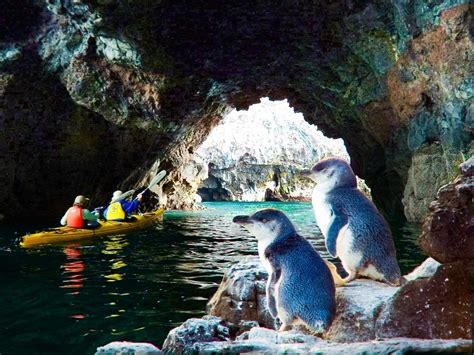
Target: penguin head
[
  {"x": 332, "y": 172},
  {"x": 266, "y": 224}
]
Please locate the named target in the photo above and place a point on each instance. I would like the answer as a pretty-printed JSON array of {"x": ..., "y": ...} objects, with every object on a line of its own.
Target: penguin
[
  {"x": 353, "y": 228},
  {"x": 300, "y": 288}
]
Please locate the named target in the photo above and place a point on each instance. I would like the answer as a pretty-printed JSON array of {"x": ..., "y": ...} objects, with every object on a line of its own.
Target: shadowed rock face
[
  {"x": 448, "y": 231},
  {"x": 162, "y": 74}
]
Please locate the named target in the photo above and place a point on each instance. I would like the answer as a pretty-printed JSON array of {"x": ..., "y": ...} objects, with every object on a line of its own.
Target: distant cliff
[{"x": 263, "y": 150}]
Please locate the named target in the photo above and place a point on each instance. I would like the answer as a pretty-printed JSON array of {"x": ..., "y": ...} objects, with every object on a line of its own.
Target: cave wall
[{"x": 142, "y": 80}]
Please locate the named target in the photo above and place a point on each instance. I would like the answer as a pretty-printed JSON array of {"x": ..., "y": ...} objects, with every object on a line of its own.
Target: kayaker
[
  {"x": 79, "y": 217},
  {"x": 119, "y": 209}
]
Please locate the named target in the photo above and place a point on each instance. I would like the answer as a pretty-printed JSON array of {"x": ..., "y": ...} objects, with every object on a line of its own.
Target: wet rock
[
  {"x": 448, "y": 231},
  {"x": 128, "y": 348},
  {"x": 438, "y": 307},
  {"x": 186, "y": 337}
]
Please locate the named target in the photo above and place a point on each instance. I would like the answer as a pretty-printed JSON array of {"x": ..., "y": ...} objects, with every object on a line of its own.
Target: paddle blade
[{"x": 157, "y": 179}]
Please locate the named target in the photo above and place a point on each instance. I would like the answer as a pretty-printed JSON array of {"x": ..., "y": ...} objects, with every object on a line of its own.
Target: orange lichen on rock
[{"x": 433, "y": 65}]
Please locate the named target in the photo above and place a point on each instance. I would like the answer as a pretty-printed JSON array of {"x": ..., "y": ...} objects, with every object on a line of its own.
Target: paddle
[
  {"x": 155, "y": 181},
  {"x": 124, "y": 195}
]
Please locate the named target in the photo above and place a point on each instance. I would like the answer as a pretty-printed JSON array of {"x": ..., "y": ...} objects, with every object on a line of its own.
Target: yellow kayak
[{"x": 68, "y": 234}]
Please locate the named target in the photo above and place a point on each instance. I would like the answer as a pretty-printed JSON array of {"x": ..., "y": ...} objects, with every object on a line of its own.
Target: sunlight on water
[{"x": 74, "y": 298}]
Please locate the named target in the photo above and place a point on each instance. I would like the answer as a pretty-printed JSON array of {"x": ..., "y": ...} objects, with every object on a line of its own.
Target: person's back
[
  {"x": 79, "y": 217},
  {"x": 119, "y": 209}
]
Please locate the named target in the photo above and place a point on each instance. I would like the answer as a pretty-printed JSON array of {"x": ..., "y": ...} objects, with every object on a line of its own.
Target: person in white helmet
[{"x": 119, "y": 209}]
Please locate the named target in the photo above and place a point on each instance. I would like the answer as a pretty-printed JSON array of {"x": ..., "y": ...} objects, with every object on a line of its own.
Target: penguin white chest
[
  {"x": 322, "y": 210},
  {"x": 262, "y": 245},
  {"x": 345, "y": 250}
]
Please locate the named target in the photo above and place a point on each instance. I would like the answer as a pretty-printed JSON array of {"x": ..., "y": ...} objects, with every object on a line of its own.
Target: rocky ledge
[{"x": 370, "y": 317}]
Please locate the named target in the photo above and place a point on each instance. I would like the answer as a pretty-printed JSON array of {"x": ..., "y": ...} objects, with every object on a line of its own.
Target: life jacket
[
  {"x": 74, "y": 217},
  {"x": 115, "y": 212}
]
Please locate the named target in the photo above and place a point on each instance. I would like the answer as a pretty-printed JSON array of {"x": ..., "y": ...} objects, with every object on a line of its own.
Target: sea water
[{"x": 75, "y": 297}]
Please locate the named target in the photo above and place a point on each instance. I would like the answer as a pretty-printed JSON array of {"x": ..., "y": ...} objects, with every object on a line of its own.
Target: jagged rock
[
  {"x": 241, "y": 294},
  {"x": 448, "y": 232},
  {"x": 427, "y": 269},
  {"x": 184, "y": 338},
  {"x": 431, "y": 308},
  {"x": 128, "y": 348},
  {"x": 267, "y": 341},
  {"x": 467, "y": 168}
]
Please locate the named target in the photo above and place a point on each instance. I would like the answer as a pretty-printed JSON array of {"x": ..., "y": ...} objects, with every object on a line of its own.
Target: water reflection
[
  {"x": 114, "y": 246},
  {"x": 73, "y": 270}
]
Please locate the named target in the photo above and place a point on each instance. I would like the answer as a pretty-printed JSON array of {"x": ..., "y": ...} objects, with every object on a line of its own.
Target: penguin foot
[
  {"x": 352, "y": 275},
  {"x": 338, "y": 280}
]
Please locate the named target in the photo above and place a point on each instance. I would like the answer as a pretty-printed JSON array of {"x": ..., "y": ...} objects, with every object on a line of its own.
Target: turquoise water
[{"x": 74, "y": 298}]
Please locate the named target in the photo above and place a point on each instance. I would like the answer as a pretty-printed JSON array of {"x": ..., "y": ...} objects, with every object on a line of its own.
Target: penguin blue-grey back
[
  {"x": 300, "y": 288},
  {"x": 353, "y": 228}
]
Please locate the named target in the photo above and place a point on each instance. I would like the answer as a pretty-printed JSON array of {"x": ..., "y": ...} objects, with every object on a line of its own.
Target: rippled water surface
[{"x": 74, "y": 298}]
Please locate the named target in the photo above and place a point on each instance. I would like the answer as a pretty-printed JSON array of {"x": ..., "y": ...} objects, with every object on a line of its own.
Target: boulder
[
  {"x": 128, "y": 348},
  {"x": 241, "y": 294},
  {"x": 208, "y": 329},
  {"x": 448, "y": 231},
  {"x": 358, "y": 305},
  {"x": 438, "y": 307}
]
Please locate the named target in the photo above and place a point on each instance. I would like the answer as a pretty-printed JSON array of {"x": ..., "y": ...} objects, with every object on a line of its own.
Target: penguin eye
[{"x": 263, "y": 220}]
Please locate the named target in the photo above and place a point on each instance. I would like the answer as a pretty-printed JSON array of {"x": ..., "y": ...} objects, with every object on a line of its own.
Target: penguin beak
[{"x": 242, "y": 220}]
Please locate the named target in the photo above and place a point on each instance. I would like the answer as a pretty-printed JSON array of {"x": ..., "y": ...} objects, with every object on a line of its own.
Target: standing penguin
[
  {"x": 300, "y": 288},
  {"x": 353, "y": 228}
]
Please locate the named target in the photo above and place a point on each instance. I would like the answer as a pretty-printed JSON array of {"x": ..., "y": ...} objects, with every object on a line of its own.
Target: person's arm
[
  {"x": 88, "y": 215},
  {"x": 64, "y": 219},
  {"x": 131, "y": 206}
]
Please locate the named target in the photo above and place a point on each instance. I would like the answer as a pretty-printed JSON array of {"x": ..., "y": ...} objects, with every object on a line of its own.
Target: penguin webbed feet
[{"x": 338, "y": 280}]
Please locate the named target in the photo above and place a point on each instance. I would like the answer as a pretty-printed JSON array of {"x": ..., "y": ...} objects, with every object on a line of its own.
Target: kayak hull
[{"x": 68, "y": 234}]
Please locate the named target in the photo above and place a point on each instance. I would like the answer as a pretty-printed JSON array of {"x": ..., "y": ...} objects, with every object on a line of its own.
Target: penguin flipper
[
  {"x": 271, "y": 302},
  {"x": 339, "y": 220}
]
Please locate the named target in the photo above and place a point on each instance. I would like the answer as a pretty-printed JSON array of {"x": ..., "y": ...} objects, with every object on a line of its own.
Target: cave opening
[{"x": 257, "y": 154}]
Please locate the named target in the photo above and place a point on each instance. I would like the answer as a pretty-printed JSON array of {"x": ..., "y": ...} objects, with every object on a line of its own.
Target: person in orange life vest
[
  {"x": 79, "y": 217},
  {"x": 118, "y": 210}
]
